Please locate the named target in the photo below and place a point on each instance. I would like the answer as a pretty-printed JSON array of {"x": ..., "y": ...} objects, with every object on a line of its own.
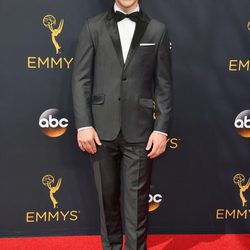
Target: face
[{"x": 127, "y": 3}]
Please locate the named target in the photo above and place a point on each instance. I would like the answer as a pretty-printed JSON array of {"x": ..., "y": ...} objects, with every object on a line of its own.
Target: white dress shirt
[{"x": 126, "y": 29}]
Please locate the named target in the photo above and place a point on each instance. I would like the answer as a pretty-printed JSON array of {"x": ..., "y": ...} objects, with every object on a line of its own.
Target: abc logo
[
  {"x": 242, "y": 123},
  {"x": 154, "y": 201},
  {"x": 52, "y": 124}
]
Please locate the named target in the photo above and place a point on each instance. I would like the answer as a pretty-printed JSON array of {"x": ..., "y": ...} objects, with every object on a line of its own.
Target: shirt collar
[{"x": 117, "y": 8}]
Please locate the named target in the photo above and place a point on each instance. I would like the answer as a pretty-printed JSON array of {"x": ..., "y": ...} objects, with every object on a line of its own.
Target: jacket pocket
[
  {"x": 147, "y": 49},
  {"x": 146, "y": 102},
  {"x": 98, "y": 99}
]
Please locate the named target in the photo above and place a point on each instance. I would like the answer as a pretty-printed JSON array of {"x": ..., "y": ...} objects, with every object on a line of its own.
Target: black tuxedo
[
  {"x": 109, "y": 94},
  {"x": 117, "y": 100}
]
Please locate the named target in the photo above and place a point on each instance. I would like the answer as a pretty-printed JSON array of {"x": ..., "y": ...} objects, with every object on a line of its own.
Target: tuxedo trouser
[{"x": 122, "y": 174}]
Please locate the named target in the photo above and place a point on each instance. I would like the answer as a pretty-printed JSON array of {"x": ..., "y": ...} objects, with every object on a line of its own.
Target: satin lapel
[
  {"x": 113, "y": 31},
  {"x": 140, "y": 29}
]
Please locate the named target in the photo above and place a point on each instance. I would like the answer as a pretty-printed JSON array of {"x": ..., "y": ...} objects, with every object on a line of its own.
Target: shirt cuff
[
  {"x": 82, "y": 128},
  {"x": 160, "y": 132}
]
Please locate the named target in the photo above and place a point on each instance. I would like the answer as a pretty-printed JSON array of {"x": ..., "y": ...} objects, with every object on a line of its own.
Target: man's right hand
[{"x": 86, "y": 139}]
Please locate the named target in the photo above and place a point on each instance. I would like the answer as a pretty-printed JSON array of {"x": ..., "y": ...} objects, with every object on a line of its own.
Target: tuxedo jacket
[{"x": 108, "y": 94}]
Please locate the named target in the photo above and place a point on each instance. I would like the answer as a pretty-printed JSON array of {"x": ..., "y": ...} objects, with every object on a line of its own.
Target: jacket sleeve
[
  {"x": 163, "y": 85},
  {"x": 82, "y": 78}
]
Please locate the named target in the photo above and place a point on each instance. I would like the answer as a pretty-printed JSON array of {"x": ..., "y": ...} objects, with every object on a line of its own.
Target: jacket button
[
  {"x": 124, "y": 79},
  {"x": 119, "y": 99}
]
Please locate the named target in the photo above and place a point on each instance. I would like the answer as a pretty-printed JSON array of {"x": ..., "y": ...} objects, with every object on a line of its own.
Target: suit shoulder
[
  {"x": 158, "y": 26},
  {"x": 95, "y": 22},
  {"x": 96, "y": 18}
]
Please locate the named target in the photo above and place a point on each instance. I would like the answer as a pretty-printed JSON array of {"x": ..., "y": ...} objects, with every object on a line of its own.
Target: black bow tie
[{"x": 132, "y": 16}]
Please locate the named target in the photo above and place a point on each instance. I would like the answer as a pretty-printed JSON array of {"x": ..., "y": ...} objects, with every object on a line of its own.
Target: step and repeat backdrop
[{"x": 200, "y": 184}]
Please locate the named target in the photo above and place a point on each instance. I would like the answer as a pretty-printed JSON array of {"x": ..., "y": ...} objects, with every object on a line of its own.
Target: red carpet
[{"x": 155, "y": 242}]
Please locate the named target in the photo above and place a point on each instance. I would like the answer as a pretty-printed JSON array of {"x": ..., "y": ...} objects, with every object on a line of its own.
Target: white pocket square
[{"x": 147, "y": 44}]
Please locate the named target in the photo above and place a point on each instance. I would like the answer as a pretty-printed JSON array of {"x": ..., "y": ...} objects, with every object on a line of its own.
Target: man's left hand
[{"x": 159, "y": 142}]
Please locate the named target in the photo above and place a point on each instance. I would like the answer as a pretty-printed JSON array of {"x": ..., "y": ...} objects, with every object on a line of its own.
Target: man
[{"x": 121, "y": 89}]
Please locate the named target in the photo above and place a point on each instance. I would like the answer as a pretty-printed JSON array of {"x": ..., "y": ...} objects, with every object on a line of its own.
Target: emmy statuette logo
[
  {"x": 239, "y": 180},
  {"x": 57, "y": 61},
  {"x": 55, "y": 214},
  {"x": 236, "y": 213},
  {"x": 49, "y": 21},
  {"x": 48, "y": 181}
]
